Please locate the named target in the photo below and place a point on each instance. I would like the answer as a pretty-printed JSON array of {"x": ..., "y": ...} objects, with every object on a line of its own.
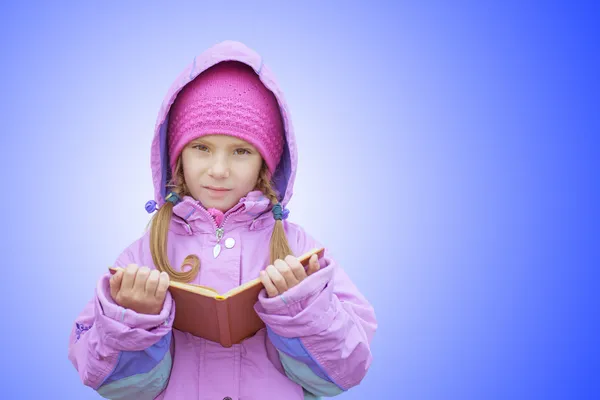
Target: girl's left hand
[{"x": 284, "y": 275}]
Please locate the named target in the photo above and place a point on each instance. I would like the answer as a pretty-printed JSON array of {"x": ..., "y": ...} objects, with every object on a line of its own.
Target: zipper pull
[{"x": 217, "y": 248}]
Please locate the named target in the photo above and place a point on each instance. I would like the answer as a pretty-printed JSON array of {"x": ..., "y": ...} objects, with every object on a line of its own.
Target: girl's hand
[
  {"x": 284, "y": 275},
  {"x": 139, "y": 289}
]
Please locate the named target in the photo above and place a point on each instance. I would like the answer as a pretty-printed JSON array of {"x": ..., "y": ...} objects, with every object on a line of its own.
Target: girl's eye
[
  {"x": 200, "y": 147},
  {"x": 241, "y": 151}
]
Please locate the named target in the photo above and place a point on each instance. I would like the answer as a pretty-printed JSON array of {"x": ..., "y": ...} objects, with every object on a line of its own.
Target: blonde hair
[{"x": 160, "y": 222}]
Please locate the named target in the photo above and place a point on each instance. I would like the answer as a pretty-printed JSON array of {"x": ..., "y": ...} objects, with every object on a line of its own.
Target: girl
[{"x": 223, "y": 165}]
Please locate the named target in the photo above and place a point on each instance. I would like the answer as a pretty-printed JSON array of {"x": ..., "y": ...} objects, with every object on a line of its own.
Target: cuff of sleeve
[
  {"x": 294, "y": 300},
  {"x": 305, "y": 309},
  {"x": 129, "y": 317}
]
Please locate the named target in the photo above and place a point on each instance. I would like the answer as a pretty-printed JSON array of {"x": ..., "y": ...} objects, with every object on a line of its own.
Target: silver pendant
[{"x": 217, "y": 250}]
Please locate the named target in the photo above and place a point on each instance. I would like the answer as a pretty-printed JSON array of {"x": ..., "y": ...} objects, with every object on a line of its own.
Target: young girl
[{"x": 223, "y": 165}]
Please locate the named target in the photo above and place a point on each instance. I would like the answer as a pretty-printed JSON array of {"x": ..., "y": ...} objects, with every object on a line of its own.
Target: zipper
[{"x": 219, "y": 230}]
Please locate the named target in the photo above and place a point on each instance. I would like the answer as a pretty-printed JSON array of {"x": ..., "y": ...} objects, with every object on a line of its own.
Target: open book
[{"x": 225, "y": 318}]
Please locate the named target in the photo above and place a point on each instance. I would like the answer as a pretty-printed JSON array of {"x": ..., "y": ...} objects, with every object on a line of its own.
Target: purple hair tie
[{"x": 151, "y": 206}]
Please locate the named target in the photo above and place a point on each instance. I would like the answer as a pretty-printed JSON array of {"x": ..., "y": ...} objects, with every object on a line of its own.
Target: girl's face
[{"x": 219, "y": 170}]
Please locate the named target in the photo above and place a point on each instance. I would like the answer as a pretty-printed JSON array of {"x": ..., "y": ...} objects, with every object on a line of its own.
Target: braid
[
  {"x": 264, "y": 185},
  {"x": 279, "y": 246},
  {"x": 160, "y": 229},
  {"x": 177, "y": 183}
]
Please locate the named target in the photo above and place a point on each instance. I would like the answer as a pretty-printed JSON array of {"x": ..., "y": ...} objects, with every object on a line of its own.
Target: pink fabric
[
  {"x": 217, "y": 215},
  {"x": 334, "y": 322},
  {"x": 227, "y": 99},
  {"x": 224, "y": 51}
]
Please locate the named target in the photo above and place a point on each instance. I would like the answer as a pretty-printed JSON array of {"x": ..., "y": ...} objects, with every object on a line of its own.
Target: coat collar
[{"x": 252, "y": 211}]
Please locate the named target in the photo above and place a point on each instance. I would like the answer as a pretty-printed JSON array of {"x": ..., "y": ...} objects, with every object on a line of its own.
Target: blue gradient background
[{"x": 448, "y": 158}]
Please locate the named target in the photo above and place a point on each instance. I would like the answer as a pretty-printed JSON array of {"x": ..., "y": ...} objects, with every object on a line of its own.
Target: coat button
[
  {"x": 229, "y": 243},
  {"x": 227, "y": 398}
]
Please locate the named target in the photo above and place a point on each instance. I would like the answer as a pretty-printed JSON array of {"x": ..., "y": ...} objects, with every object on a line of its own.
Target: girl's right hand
[{"x": 139, "y": 289}]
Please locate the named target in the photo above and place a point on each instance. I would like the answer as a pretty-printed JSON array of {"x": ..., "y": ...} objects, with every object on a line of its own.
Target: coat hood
[{"x": 225, "y": 51}]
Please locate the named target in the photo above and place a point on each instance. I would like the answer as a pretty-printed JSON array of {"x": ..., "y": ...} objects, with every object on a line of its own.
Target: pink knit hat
[{"x": 227, "y": 99}]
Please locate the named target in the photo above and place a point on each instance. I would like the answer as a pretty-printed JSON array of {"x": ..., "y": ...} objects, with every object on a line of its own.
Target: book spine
[{"x": 223, "y": 318}]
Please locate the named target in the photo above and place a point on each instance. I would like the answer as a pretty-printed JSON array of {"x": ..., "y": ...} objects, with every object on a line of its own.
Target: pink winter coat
[{"x": 317, "y": 336}]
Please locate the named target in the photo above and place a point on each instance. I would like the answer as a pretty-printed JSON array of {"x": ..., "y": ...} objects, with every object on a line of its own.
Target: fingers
[
  {"x": 313, "y": 265},
  {"x": 129, "y": 277},
  {"x": 139, "y": 285},
  {"x": 152, "y": 283},
  {"x": 277, "y": 279},
  {"x": 287, "y": 273},
  {"x": 284, "y": 275},
  {"x": 269, "y": 287},
  {"x": 296, "y": 268},
  {"x": 115, "y": 283},
  {"x": 163, "y": 286}
]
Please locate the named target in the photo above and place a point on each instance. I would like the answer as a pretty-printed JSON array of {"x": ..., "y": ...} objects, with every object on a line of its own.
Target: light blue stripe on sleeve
[
  {"x": 139, "y": 362},
  {"x": 293, "y": 347},
  {"x": 310, "y": 396},
  {"x": 305, "y": 377},
  {"x": 140, "y": 386}
]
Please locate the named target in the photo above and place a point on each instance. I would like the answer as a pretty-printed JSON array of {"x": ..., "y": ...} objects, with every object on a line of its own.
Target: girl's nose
[{"x": 219, "y": 169}]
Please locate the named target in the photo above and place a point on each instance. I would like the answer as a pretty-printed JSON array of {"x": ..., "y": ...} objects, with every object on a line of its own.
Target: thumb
[
  {"x": 115, "y": 284},
  {"x": 313, "y": 265}
]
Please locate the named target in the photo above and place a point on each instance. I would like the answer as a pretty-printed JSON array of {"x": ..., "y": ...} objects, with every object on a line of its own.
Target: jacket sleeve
[
  {"x": 120, "y": 353},
  {"x": 322, "y": 328}
]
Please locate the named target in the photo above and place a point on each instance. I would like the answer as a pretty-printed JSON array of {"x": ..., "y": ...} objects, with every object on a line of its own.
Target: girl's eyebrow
[
  {"x": 237, "y": 144},
  {"x": 198, "y": 140},
  {"x": 241, "y": 144}
]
